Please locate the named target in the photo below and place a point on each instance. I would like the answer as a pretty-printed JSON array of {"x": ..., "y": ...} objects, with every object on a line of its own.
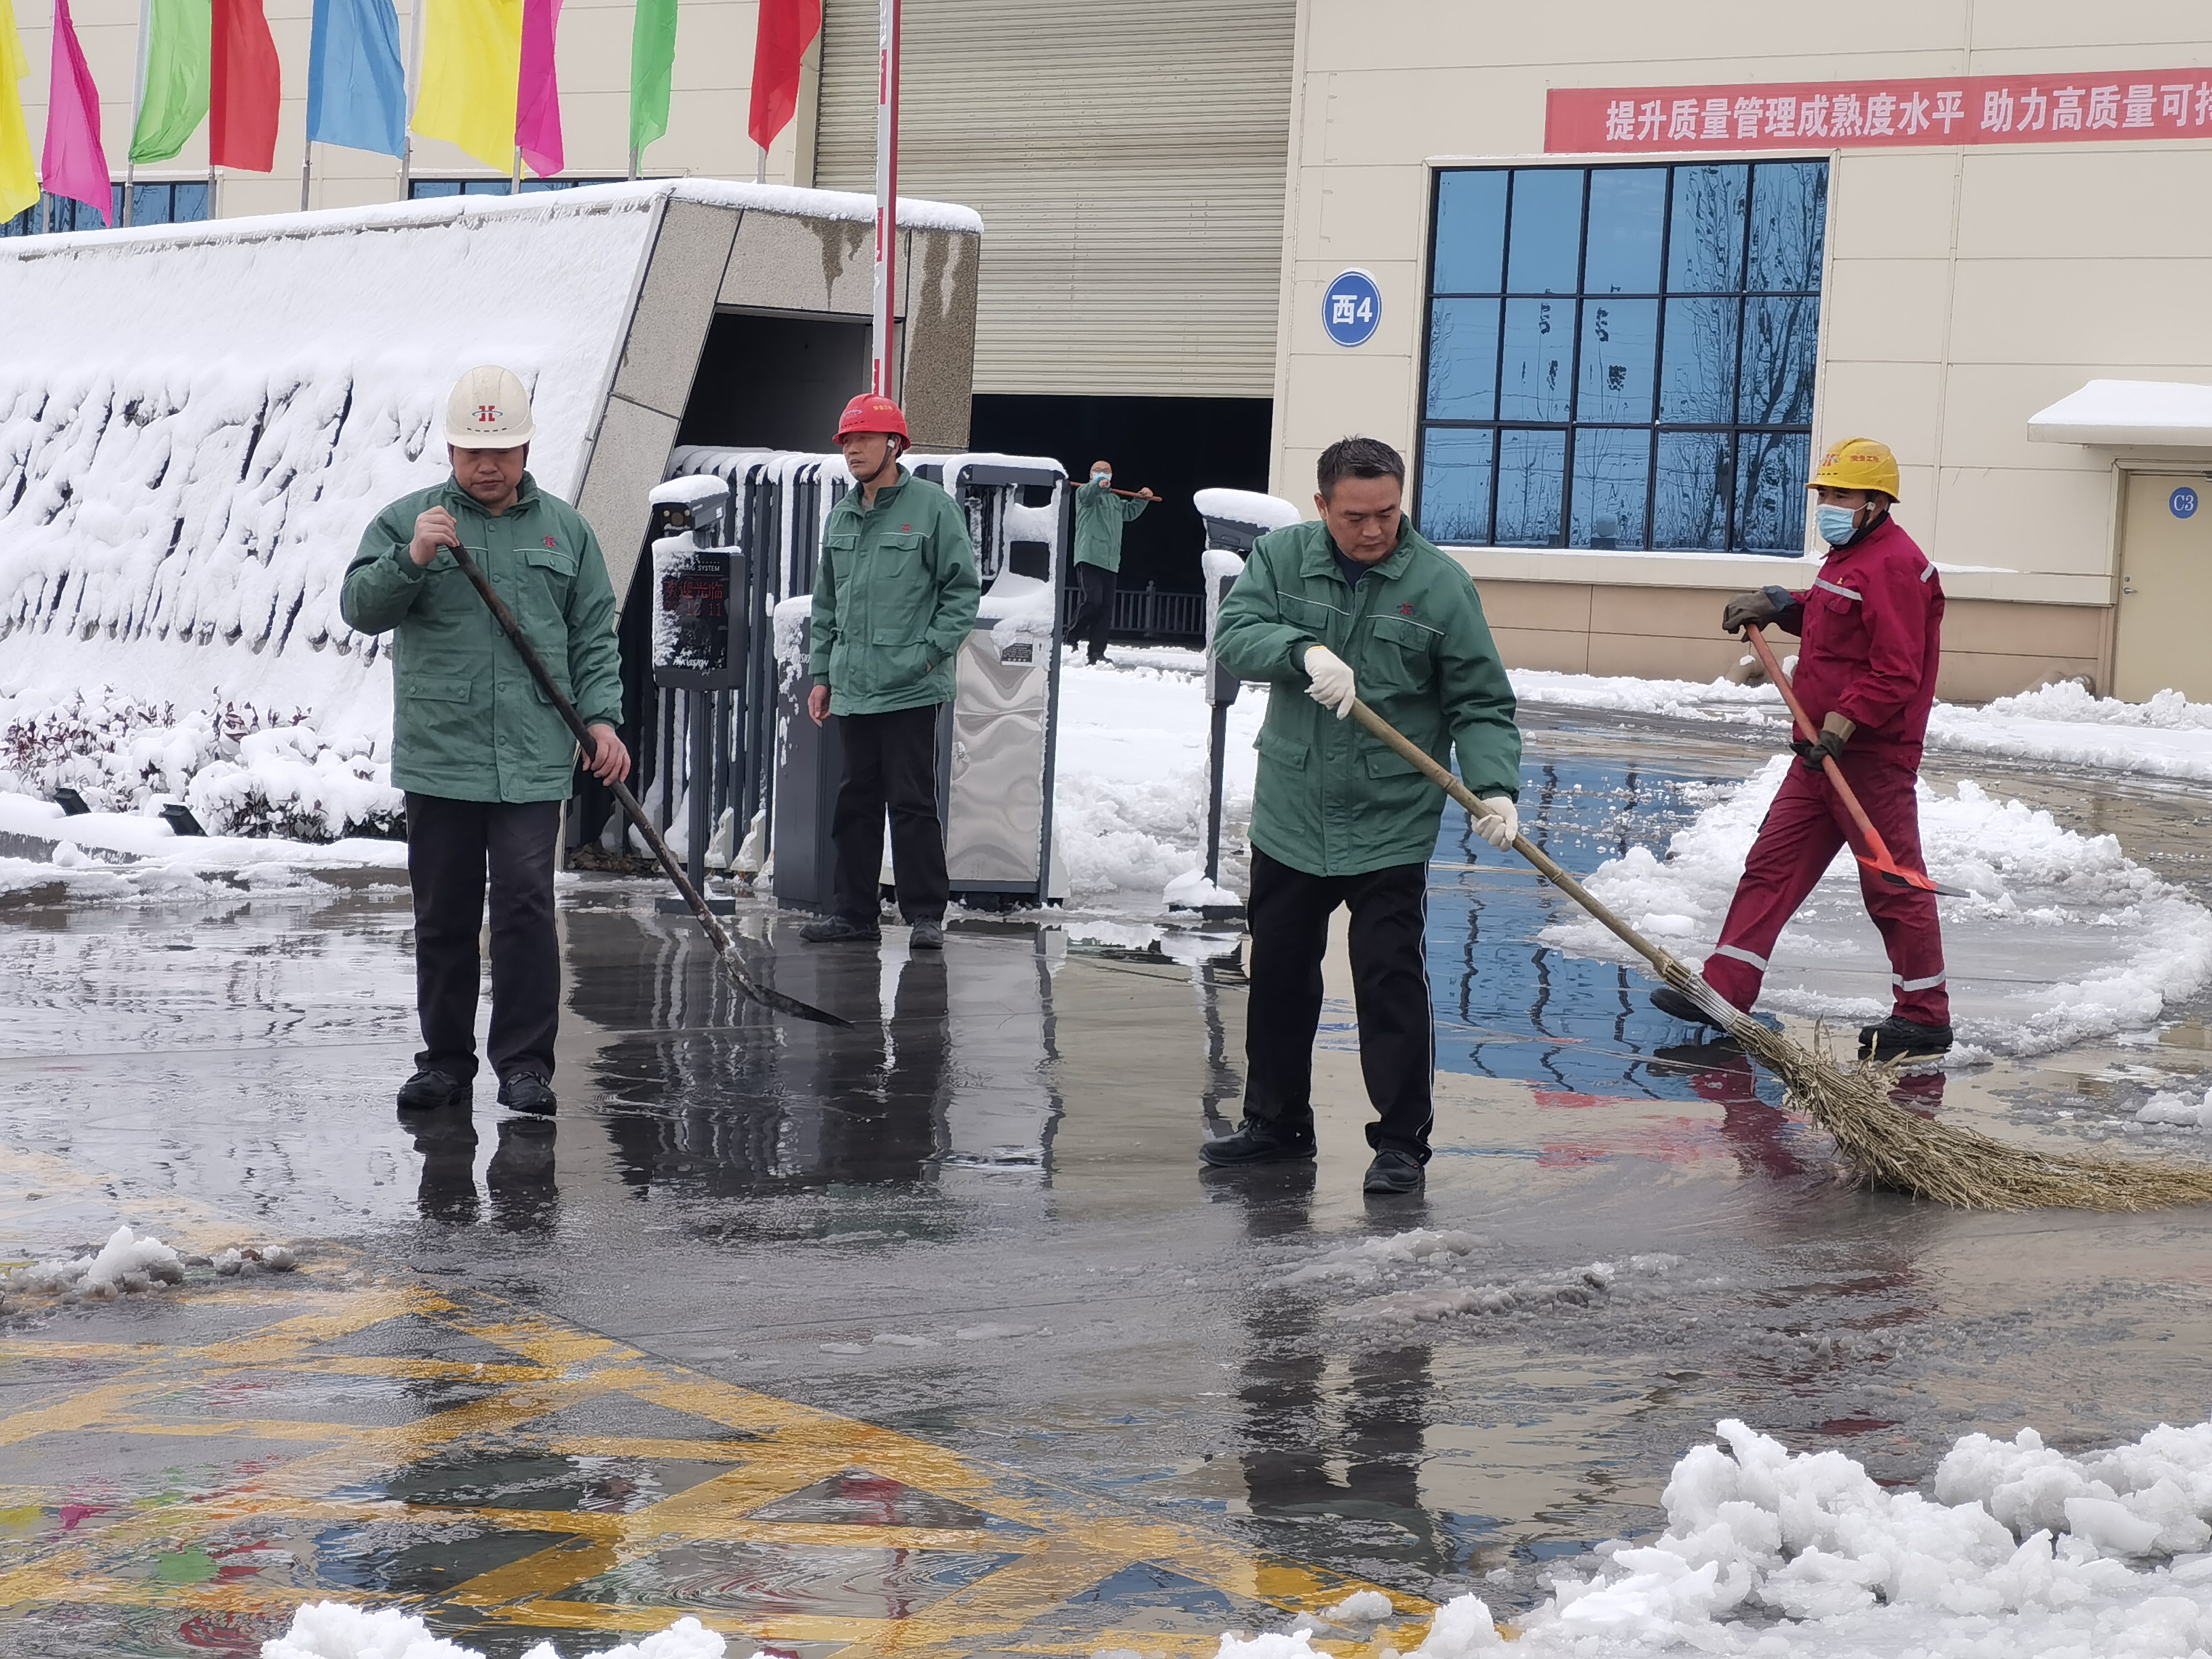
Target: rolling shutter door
[{"x": 1128, "y": 164}]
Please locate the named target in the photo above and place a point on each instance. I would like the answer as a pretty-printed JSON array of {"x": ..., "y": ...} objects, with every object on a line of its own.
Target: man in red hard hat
[
  {"x": 895, "y": 594},
  {"x": 1871, "y": 623}
]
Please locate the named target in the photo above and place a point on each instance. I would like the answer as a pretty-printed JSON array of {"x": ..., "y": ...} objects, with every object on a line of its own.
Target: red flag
[
  {"x": 246, "y": 90},
  {"x": 788, "y": 27}
]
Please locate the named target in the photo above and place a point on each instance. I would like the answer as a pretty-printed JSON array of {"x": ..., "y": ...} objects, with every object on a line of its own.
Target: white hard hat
[{"x": 490, "y": 410}]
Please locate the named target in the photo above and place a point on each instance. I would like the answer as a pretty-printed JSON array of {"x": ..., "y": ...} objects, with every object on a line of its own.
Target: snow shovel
[
  {"x": 717, "y": 935},
  {"x": 1881, "y": 864},
  {"x": 1881, "y": 1144}
]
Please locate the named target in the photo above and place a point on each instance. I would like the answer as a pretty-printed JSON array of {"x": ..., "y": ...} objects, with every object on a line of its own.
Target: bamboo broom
[{"x": 1881, "y": 1144}]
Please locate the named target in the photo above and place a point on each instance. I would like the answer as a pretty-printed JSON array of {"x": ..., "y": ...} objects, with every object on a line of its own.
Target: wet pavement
[{"x": 954, "y": 1276}]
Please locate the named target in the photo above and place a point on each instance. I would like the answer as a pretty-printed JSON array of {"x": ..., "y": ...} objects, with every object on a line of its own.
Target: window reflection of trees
[{"x": 1675, "y": 421}]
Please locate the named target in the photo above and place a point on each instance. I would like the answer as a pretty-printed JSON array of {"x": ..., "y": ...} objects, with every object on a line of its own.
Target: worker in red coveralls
[{"x": 1866, "y": 673}]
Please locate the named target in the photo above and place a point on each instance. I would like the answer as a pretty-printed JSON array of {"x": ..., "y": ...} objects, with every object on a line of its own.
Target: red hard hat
[{"x": 872, "y": 412}]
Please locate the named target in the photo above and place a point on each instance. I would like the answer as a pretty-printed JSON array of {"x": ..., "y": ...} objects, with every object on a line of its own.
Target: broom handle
[
  {"x": 1670, "y": 967},
  {"x": 1757, "y": 638}
]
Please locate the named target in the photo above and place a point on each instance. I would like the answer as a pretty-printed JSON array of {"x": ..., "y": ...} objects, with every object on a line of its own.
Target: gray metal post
[
  {"x": 1216, "y": 758},
  {"x": 699, "y": 716}
]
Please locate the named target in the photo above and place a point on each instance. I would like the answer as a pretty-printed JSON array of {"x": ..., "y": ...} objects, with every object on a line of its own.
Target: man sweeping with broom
[{"x": 1871, "y": 623}]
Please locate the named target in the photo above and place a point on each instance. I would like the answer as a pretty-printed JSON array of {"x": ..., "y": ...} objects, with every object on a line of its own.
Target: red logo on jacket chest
[{"x": 548, "y": 541}]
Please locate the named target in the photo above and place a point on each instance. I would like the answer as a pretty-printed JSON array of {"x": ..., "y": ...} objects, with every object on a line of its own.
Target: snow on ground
[
  {"x": 2065, "y": 939},
  {"x": 1129, "y": 799},
  {"x": 137, "y": 855},
  {"x": 338, "y": 1630},
  {"x": 2019, "y": 1553}
]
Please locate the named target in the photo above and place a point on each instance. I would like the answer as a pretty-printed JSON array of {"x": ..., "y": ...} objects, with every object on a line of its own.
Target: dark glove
[
  {"x": 1762, "y": 607},
  {"x": 1830, "y": 746}
]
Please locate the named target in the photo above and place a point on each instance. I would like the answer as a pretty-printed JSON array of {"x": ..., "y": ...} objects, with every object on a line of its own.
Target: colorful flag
[
  {"x": 537, "y": 101},
  {"x": 176, "y": 100},
  {"x": 247, "y": 90},
  {"x": 788, "y": 27},
  {"x": 19, "y": 175},
  {"x": 74, "y": 164},
  {"x": 651, "y": 67},
  {"x": 471, "y": 66},
  {"x": 357, "y": 80}
]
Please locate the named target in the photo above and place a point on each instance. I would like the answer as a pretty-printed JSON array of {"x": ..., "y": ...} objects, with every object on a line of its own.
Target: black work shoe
[
  {"x": 1673, "y": 1004},
  {"x": 429, "y": 1090},
  {"x": 526, "y": 1091},
  {"x": 1899, "y": 1038},
  {"x": 1257, "y": 1141},
  {"x": 929, "y": 935},
  {"x": 836, "y": 930},
  {"x": 1394, "y": 1173}
]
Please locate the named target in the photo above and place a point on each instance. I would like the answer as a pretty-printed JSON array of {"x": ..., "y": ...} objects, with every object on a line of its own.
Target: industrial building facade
[{"x": 1611, "y": 277}]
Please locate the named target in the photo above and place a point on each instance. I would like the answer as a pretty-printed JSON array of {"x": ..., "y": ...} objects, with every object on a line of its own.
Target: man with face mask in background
[
  {"x": 1100, "y": 513},
  {"x": 1871, "y": 623}
]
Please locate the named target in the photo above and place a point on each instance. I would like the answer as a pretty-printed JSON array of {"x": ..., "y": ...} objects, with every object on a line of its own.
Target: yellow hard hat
[{"x": 1857, "y": 464}]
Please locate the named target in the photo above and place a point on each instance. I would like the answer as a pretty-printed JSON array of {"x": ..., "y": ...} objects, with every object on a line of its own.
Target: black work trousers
[
  {"x": 452, "y": 847},
  {"x": 1094, "y": 617},
  {"x": 890, "y": 761},
  {"x": 1289, "y": 915}
]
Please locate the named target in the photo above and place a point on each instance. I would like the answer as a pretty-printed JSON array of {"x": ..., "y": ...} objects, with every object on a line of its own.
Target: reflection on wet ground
[{"x": 968, "y": 1241}]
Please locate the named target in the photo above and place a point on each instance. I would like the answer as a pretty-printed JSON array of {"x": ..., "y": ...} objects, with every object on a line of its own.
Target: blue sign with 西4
[
  {"x": 1352, "y": 308},
  {"x": 2184, "y": 502}
]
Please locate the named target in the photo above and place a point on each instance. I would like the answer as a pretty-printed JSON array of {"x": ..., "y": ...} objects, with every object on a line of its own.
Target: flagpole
[
  {"x": 413, "y": 75},
  {"x": 306, "y": 161},
  {"x": 633, "y": 161},
  {"x": 137, "y": 107},
  {"x": 514, "y": 181},
  {"x": 882, "y": 372}
]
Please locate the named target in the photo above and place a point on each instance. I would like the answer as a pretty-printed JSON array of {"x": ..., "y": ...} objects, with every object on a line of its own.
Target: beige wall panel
[
  {"x": 675, "y": 305},
  {"x": 1886, "y": 310},
  {"x": 800, "y": 264},
  {"x": 627, "y": 459},
  {"x": 1529, "y": 647},
  {"x": 2114, "y": 315},
  {"x": 1655, "y": 657},
  {"x": 1986, "y": 408},
  {"x": 1563, "y": 607},
  {"x": 1371, "y": 213},
  {"x": 1679, "y": 613},
  {"x": 1896, "y": 402},
  {"x": 1993, "y": 626},
  {"x": 2131, "y": 36},
  {"x": 1980, "y": 677},
  {"x": 1398, "y": 336},
  {"x": 2107, "y": 196},
  {"x": 1892, "y": 205},
  {"x": 1364, "y": 395},
  {"x": 2042, "y": 521}
]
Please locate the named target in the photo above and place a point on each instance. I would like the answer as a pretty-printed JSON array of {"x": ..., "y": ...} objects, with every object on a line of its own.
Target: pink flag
[
  {"x": 537, "y": 103},
  {"x": 74, "y": 164}
]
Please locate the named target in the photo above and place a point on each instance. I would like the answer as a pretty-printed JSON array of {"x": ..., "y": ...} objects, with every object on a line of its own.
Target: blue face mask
[
  {"x": 1835, "y": 525},
  {"x": 1101, "y": 479}
]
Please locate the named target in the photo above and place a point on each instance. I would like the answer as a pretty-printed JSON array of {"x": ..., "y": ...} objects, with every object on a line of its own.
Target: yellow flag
[
  {"x": 471, "y": 65},
  {"x": 19, "y": 173}
]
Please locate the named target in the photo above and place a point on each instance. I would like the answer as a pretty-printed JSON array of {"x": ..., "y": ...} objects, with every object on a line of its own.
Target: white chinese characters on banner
[{"x": 1977, "y": 110}]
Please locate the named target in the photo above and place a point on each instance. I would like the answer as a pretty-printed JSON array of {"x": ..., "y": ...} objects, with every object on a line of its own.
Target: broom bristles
[{"x": 1883, "y": 1145}]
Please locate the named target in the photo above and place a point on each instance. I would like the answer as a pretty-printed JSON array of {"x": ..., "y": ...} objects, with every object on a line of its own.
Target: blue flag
[{"x": 356, "y": 85}]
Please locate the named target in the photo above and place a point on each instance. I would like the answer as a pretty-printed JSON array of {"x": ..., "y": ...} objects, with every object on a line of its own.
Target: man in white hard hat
[{"x": 484, "y": 759}]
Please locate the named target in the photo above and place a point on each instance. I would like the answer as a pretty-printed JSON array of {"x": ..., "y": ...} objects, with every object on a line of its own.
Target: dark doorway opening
[
  {"x": 774, "y": 381},
  {"x": 1177, "y": 445}
]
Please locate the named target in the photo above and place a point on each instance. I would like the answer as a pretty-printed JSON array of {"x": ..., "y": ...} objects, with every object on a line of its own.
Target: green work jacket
[
  {"x": 895, "y": 595},
  {"x": 468, "y": 720},
  {"x": 1099, "y": 516},
  {"x": 1331, "y": 799}
]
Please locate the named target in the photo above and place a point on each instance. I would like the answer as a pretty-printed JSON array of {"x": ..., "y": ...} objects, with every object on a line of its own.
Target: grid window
[
  {"x": 423, "y": 189},
  {"x": 1622, "y": 357},
  {"x": 185, "y": 203}
]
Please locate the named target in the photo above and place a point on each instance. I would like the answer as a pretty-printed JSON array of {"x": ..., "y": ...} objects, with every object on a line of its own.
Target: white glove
[
  {"x": 1332, "y": 686},
  {"x": 1502, "y": 825}
]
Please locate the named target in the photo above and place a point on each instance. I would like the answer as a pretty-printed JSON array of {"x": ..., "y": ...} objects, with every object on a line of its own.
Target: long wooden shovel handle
[
  {"x": 717, "y": 935},
  {"x": 1757, "y": 638},
  {"x": 1669, "y": 966}
]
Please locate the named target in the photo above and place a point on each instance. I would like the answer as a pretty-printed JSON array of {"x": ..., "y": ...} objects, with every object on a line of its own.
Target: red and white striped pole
[{"x": 883, "y": 378}]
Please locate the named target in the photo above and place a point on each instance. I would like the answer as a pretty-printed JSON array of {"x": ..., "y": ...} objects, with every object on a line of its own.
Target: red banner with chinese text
[{"x": 1978, "y": 109}]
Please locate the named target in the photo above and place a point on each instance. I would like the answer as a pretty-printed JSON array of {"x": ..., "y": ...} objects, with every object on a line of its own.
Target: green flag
[
  {"x": 177, "y": 72},
  {"x": 652, "y": 64}
]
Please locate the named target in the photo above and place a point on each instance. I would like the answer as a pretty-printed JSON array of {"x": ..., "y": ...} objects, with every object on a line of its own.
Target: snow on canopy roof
[
  {"x": 690, "y": 487},
  {"x": 1245, "y": 506},
  {"x": 790, "y": 201},
  {"x": 2172, "y": 413}
]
